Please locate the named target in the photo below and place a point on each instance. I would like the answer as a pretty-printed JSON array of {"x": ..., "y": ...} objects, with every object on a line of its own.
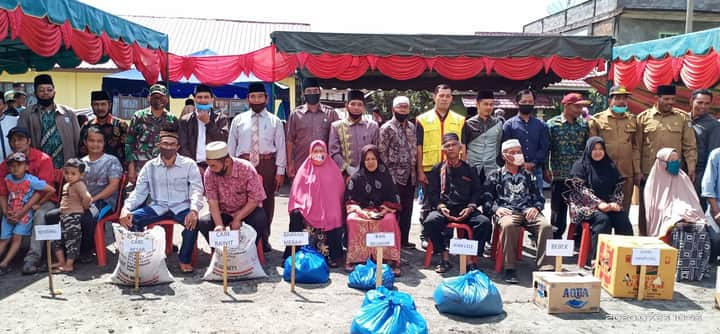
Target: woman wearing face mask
[
  {"x": 669, "y": 196},
  {"x": 315, "y": 203},
  {"x": 596, "y": 193},
  {"x": 371, "y": 201}
]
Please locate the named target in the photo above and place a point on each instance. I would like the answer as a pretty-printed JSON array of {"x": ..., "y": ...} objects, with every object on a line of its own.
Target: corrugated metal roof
[{"x": 225, "y": 37}]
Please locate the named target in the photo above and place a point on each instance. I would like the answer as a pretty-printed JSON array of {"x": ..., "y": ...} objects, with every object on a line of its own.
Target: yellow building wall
[{"x": 72, "y": 88}]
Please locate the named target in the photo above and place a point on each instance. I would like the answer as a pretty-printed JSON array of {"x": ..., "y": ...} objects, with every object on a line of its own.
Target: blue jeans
[{"x": 145, "y": 216}]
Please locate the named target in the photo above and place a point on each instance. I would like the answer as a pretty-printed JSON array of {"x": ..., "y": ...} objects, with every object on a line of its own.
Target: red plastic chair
[
  {"x": 169, "y": 226},
  {"x": 462, "y": 231},
  {"x": 585, "y": 240},
  {"x": 100, "y": 225},
  {"x": 496, "y": 250},
  {"x": 59, "y": 181}
]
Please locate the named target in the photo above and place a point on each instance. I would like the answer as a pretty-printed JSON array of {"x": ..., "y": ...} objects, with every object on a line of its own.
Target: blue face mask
[
  {"x": 619, "y": 110},
  {"x": 673, "y": 167},
  {"x": 203, "y": 107}
]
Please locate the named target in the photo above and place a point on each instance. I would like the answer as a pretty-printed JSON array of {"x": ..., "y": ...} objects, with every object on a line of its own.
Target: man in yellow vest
[{"x": 430, "y": 127}]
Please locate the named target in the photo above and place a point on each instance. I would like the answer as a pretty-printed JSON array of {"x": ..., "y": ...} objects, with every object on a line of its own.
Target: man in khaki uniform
[
  {"x": 664, "y": 126},
  {"x": 618, "y": 127}
]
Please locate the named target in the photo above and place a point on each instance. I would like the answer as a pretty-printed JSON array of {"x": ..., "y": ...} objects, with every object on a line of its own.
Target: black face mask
[
  {"x": 167, "y": 154},
  {"x": 526, "y": 108},
  {"x": 400, "y": 117},
  {"x": 354, "y": 117},
  {"x": 257, "y": 107},
  {"x": 45, "y": 102},
  {"x": 222, "y": 171},
  {"x": 312, "y": 98}
]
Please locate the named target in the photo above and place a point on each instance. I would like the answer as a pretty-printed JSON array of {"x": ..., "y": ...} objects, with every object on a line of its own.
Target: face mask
[
  {"x": 400, "y": 117},
  {"x": 318, "y": 157},
  {"x": 312, "y": 98},
  {"x": 526, "y": 108},
  {"x": 167, "y": 154},
  {"x": 257, "y": 107},
  {"x": 203, "y": 107},
  {"x": 45, "y": 102},
  {"x": 354, "y": 117},
  {"x": 221, "y": 172},
  {"x": 673, "y": 167},
  {"x": 619, "y": 110},
  {"x": 517, "y": 159}
]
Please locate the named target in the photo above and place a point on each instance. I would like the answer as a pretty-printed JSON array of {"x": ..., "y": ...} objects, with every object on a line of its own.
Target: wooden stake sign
[
  {"x": 294, "y": 239},
  {"x": 463, "y": 248},
  {"x": 378, "y": 241},
  {"x": 644, "y": 257},
  {"x": 559, "y": 248},
  {"x": 49, "y": 233},
  {"x": 225, "y": 239},
  {"x": 137, "y": 243}
]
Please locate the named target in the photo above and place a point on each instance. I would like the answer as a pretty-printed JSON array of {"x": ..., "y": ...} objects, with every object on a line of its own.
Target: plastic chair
[
  {"x": 59, "y": 181},
  {"x": 112, "y": 217},
  {"x": 496, "y": 250},
  {"x": 584, "y": 251},
  {"x": 462, "y": 231}
]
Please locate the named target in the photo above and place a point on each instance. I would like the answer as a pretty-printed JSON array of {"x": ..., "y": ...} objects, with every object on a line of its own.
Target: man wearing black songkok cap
[
  {"x": 205, "y": 125},
  {"x": 454, "y": 194},
  {"x": 348, "y": 136},
  {"x": 307, "y": 123},
  {"x": 482, "y": 134},
  {"x": 258, "y": 136},
  {"x": 115, "y": 130},
  {"x": 662, "y": 126},
  {"x": 53, "y": 127}
]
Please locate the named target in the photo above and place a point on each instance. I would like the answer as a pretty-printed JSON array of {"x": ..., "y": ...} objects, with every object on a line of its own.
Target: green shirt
[
  {"x": 144, "y": 134},
  {"x": 567, "y": 143}
]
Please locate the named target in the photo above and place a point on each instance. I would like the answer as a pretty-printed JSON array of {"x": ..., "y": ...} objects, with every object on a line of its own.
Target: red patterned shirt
[{"x": 233, "y": 191}]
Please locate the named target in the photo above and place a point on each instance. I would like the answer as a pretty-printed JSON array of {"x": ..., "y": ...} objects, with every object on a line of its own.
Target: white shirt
[
  {"x": 271, "y": 136},
  {"x": 200, "y": 154},
  {"x": 6, "y": 123}
]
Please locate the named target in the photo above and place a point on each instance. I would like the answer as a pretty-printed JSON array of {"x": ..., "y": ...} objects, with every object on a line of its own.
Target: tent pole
[{"x": 167, "y": 74}]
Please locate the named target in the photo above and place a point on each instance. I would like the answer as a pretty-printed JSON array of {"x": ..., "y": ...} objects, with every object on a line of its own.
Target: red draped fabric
[
  {"x": 518, "y": 68},
  {"x": 45, "y": 39},
  {"x": 459, "y": 68},
  {"x": 572, "y": 68},
  {"x": 696, "y": 71},
  {"x": 401, "y": 67}
]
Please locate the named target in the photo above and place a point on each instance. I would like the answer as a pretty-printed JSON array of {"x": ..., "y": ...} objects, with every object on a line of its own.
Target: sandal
[
  {"x": 186, "y": 268},
  {"x": 62, "y": 271},
  {"x": 443, "y": 267}
]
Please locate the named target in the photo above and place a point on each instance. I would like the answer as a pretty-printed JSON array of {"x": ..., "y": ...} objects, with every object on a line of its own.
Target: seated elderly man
[
  {"x": 454, "y": 192},
  {"x": 234, "y": 191},
  {"x": 517, "y": 203},
  {"x": 176, "y": 192}
]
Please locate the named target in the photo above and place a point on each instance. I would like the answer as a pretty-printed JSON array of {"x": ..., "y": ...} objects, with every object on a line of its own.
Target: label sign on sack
[
  {"x": 463, "y": 247},
  {"x": 645, "y": 257},
  {"x": 48, "y": 232},
  {"x": 295, "y": 238},
  {"x": 230, "y": 239},
  {"x": 559, "y": 247},
  {"x": 380, "y": 239},
  {"x": 135, "y": 244}
]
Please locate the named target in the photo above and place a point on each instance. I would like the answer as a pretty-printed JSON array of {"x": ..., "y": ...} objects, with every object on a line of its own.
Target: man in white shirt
[
  {"x": 203, "y": 126},
  {"x": 259, "y": 137},
  {"x": 7, "y": 122}
]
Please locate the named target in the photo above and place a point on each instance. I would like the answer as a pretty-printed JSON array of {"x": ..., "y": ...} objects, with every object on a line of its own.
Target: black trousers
[
  {"x": 605, "y": 222},
  {"x": 334, "y": 237},
  {"x": 256, "y": 219},
  {"x": 558, "y": 207},
  {"x": 407, "y": 197},
  {"x": 435, "y": 227}
]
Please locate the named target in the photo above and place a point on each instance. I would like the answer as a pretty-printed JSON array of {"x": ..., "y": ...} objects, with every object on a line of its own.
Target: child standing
[
  {"x": 24, "y": 190},
  {"x": 75, "y": 200}
]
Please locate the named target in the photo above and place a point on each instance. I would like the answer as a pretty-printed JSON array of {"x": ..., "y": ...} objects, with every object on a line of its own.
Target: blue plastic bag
[
  {"x": 363, "y": 276},
  {"x": 388, "y": 312},
  {"x": 310, "y": 267},
  {"x": 470, "y": 295}
]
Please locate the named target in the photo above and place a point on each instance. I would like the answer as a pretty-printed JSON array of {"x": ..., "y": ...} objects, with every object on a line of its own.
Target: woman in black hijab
[
  {"x": 371, "y": 201},
  {"x": 595, "y": 193}
]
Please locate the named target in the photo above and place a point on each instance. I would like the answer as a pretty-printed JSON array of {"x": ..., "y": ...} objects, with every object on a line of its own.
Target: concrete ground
[{"x": 89, "y": 304}]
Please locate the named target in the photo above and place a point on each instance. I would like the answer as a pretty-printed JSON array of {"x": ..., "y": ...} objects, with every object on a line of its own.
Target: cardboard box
[
  {"x": 620, "y": 278},
  {"x": 569, "y": 292}
]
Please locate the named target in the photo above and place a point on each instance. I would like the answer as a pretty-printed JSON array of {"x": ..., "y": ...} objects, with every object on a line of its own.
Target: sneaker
[
  {"x": 547, "y": 267},
  {"x": 510, "y": 277},
  {"x": 424, "y": 244},
  {"x": 443, "y": 267},
  {"x": 29, "y": 268}
]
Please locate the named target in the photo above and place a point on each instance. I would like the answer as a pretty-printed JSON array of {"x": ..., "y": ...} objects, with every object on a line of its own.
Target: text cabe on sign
[
  {"x": 463, "y": 247},
  {"x": 137, "y": 244},
  {"x": 295, "y": 238},
  {"x": 380, "y": 239},
  {"x": 645, "y": 257},
  {"x": 559, "y": 247},
  {"x": 219, "y": 239},
  {"x": 48, "y": 232}
]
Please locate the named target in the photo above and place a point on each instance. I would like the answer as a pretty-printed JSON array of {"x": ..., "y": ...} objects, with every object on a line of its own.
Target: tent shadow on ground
[
  {"x": 15, "y": 281},
  {"x": 476, "y": 320},
  {"x": 602, "y": 315},
  {"x": 679, "y": 303},
  {"x": 157, "y": 291}
]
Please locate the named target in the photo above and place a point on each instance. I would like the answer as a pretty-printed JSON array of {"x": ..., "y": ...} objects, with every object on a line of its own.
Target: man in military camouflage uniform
[{"x": 114, "y": 129}]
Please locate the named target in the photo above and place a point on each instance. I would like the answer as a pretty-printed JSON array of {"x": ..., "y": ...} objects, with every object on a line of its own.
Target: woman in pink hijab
[
  {"x": 315, "y": 202},
  {"x": 669, "y": 196}
]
